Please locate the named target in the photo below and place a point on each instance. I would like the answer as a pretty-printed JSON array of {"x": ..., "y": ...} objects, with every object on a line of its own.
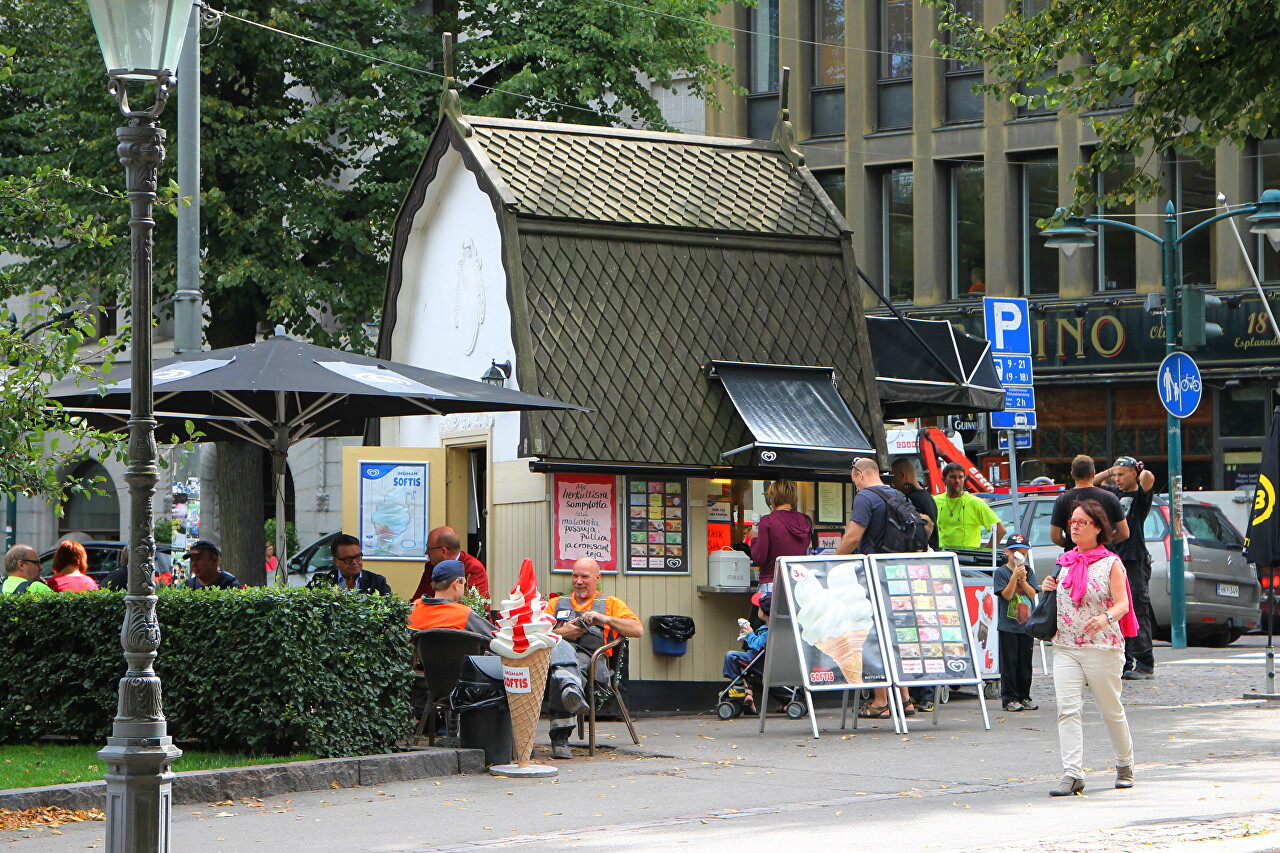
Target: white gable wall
[{"x": 453, "y": 314}]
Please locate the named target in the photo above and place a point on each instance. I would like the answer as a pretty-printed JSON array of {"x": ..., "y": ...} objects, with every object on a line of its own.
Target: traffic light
[{"x": 1195, "y": 331}]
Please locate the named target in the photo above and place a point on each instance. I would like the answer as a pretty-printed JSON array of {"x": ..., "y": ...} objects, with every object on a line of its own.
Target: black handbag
[{"x": 1042, "y": 624}]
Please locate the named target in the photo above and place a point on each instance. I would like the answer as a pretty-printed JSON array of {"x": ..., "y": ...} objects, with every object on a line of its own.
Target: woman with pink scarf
[{"x": 1093, "y": 597}]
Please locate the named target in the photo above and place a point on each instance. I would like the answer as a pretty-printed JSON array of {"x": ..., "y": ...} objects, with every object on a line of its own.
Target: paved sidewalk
[{"x": 1207, "y": 771}]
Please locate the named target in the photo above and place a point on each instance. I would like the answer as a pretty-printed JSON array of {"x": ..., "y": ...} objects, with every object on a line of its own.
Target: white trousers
[{"x": 1100, "y": 669}]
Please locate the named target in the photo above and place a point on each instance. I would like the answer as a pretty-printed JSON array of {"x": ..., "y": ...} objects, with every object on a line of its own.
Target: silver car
[{"x": 1222, "y": 592}]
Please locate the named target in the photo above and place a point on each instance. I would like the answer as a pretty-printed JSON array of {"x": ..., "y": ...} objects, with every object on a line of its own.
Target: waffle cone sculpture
[
  {"x": 526, "y": 707},
  {"x": 524, "y": 641},
  {"x": 846, "y": 651}
]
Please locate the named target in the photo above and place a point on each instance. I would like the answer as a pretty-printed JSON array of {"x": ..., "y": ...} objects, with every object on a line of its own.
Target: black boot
[{"x": 560, "y": 743}]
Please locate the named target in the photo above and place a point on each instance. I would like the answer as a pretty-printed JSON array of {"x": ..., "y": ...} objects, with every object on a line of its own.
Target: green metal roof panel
[{"x": 654, "y": 179}]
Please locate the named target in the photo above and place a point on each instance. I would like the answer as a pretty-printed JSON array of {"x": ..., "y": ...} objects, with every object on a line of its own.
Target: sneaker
[
  {"x": 1028, "y": 705},
  {"x": 1137, "y": 675},
  {"x": 1013, "y": 706},
  {"x": 925, "y": 707}
]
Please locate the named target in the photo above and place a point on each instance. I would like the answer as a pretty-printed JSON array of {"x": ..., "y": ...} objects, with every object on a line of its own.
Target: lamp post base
[{"x": 139, "y": 793}]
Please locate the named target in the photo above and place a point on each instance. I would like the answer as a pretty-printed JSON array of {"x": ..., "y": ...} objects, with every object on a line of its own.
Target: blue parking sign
[{"x": 1008, "y": 324}]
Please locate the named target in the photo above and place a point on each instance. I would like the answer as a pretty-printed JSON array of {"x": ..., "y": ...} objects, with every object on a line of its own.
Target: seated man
[
  {"x": 348, "y": 569},
  {"x": 444, "y": 608},
  {"x": 587, "y": 620},
  {"x": 206, "y": 567}
]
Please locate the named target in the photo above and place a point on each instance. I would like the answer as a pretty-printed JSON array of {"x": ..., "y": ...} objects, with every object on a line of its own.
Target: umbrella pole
[{"x": 280, "y": 453}]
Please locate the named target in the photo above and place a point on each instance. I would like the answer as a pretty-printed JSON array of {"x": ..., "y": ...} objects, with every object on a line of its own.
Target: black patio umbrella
[{"x": 277, "y": 392}]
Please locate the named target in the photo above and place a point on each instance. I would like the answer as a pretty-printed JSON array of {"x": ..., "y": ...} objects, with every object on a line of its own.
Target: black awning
[
  {"x": 795, "y": 414},
  {"x": 929, "y": 367}
]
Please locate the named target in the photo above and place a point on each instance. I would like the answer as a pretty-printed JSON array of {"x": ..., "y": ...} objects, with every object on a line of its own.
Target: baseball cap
[
  {"x": 448, "y": 570},
  {"x": 203, "y": 545},
  {"x": 1016, "y": 540},
  {"x": 763, "y": 600},
  {"x": 1128, "y": 462}
]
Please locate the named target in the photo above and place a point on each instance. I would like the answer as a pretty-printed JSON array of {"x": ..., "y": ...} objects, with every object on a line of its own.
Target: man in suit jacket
[{"x": 348, "y": 569}]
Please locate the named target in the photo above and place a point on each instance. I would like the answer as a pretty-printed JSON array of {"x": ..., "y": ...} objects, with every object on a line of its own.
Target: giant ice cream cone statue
[
  {"x": 524, "y": 641},
  {"x": 837, "y": 618}
]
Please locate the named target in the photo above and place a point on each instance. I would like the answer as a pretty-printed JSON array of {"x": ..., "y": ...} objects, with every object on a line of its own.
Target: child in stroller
[{"x": 745, "y": 669}]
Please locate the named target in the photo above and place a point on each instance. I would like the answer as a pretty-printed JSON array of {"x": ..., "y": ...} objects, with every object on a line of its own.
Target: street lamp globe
[
  {"x": 140, "y": 39},
  {"x": 1070, "y": 235},
  {"x": 1267, "y": 219}
]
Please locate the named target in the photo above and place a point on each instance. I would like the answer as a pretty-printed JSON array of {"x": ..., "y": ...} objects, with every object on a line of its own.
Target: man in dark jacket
[
  {"x": 906, "y": 479},
  {"x": 348, "y": 569}
]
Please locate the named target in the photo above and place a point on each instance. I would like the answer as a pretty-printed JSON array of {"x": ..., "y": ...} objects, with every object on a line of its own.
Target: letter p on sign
[{"x": 1008, "y": 326}]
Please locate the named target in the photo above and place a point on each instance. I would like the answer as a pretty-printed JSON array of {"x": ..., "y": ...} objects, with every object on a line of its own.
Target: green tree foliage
[
  {"x": 306, "y": 150},
  {"x": 54, "y": 339},
  {"x": 1198, "y": 74}
]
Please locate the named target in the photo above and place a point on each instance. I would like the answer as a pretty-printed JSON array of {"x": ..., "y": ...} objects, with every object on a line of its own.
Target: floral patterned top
[{"x": 1097, "y": 598}]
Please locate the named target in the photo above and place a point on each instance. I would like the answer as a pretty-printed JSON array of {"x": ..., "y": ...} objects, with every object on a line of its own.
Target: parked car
[
  {"x": 1222, "y": 592},
  {"x": 104, "y": 558},
  {"x": 316, "y": 557}
]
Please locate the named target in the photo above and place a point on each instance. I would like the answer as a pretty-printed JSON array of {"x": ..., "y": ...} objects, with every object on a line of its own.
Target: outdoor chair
[
  {"x": 600, "y": 692},
  {"x": 439, "y": 652}
]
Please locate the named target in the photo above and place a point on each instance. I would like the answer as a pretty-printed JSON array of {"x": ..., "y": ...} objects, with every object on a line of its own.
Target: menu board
[
  {"x": 585, "y": 520},
  {"x": 828, "y": 623},
  {"x": 657, "y": 525},
  {"x": 923, "y": 598}
]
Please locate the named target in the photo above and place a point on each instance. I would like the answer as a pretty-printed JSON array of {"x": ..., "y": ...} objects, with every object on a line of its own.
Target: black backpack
[{"x": 904, "y": 529}]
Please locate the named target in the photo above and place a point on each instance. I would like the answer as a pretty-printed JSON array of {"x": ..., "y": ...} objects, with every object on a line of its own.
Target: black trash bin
[
  {"x": 480, "y": 701},
  {"x": 671, "y": 634}
]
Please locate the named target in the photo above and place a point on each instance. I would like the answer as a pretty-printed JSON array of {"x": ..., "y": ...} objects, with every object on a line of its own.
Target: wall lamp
[{"x": 497, "y": 374}]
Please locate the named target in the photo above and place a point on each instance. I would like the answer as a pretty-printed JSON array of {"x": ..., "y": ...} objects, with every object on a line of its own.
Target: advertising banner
[
  {"x": 656, "y": 533},
  {"x": 393, "y": 510},
  {"x": 585, "y": 520},
  {"x": 829, "y": 622},
  {"x": 923, "y": 599}
]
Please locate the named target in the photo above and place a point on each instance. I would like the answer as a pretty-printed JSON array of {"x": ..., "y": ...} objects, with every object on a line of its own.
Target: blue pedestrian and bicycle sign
[{"x": 1178, "y": 384}]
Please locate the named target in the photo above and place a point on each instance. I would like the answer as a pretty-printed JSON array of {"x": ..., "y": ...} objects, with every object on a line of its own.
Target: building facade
[{"x": 943, "y": 190}]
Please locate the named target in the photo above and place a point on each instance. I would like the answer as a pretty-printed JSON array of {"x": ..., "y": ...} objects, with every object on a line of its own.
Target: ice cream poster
[
  {"x": 929, "y": 640},
  {"x": 834, "y": 622},
  {"x": 586, "y": 520},
  {"x": 393, "y": 510},
  {"x": 983, "y": 601}
]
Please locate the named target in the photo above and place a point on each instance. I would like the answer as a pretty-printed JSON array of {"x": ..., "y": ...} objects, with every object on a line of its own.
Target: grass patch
[{"x": 35, "y": 765}]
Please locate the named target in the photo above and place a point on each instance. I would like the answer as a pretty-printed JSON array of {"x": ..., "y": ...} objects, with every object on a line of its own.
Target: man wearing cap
[
  {"x": 206, "y": 567},
  {"x": 1135, "y": 487},
  {"x": 348, "y": 570},
  {"x": 444, "y": 607},
  {"x": 1014, "y": 582}
]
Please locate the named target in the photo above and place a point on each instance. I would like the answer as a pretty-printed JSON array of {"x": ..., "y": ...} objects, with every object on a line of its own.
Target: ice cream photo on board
[{"x": 524, "y": 641}]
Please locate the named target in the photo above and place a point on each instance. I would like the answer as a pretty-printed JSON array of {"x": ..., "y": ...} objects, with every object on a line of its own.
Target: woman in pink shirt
[{"x": 70, "y": 562}]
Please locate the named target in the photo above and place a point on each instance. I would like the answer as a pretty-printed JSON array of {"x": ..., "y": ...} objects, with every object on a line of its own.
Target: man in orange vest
[{"x": 444, "y": 607}]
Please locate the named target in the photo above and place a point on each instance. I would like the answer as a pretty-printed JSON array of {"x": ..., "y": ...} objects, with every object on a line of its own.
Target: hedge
[{"x": 257, "y": 670}]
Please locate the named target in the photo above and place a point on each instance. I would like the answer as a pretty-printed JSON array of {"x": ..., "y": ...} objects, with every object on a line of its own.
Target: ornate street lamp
[
  {"x": 1074, "y": 234},
  {"x": 141, "y": 41}
]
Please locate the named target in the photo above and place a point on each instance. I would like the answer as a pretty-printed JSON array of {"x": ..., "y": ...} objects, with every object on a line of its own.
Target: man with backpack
[
  {"x": 883, "y": 521},
  {"x": 962, "y": 516},
  {"x": 22, "y": 572}
]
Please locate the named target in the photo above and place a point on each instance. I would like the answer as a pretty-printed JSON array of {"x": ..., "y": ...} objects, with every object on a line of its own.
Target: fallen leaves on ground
[{"x": 46, "y": 816}]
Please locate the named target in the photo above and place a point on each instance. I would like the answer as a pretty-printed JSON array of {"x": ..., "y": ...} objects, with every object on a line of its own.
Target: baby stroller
[
  {"x": 745, "y": 669},
  {"x": 732, "y": 700}
]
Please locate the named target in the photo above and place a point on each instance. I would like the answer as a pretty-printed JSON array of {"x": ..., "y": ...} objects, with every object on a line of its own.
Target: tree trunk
[
  {"x": 240, "y": 488},
  {"x": 210, "y": 516}
]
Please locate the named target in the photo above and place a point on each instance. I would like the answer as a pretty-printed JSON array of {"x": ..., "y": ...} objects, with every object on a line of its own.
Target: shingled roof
[
  {"x": 634, "y": 259},
  {"x": 641, "y": 178}
]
